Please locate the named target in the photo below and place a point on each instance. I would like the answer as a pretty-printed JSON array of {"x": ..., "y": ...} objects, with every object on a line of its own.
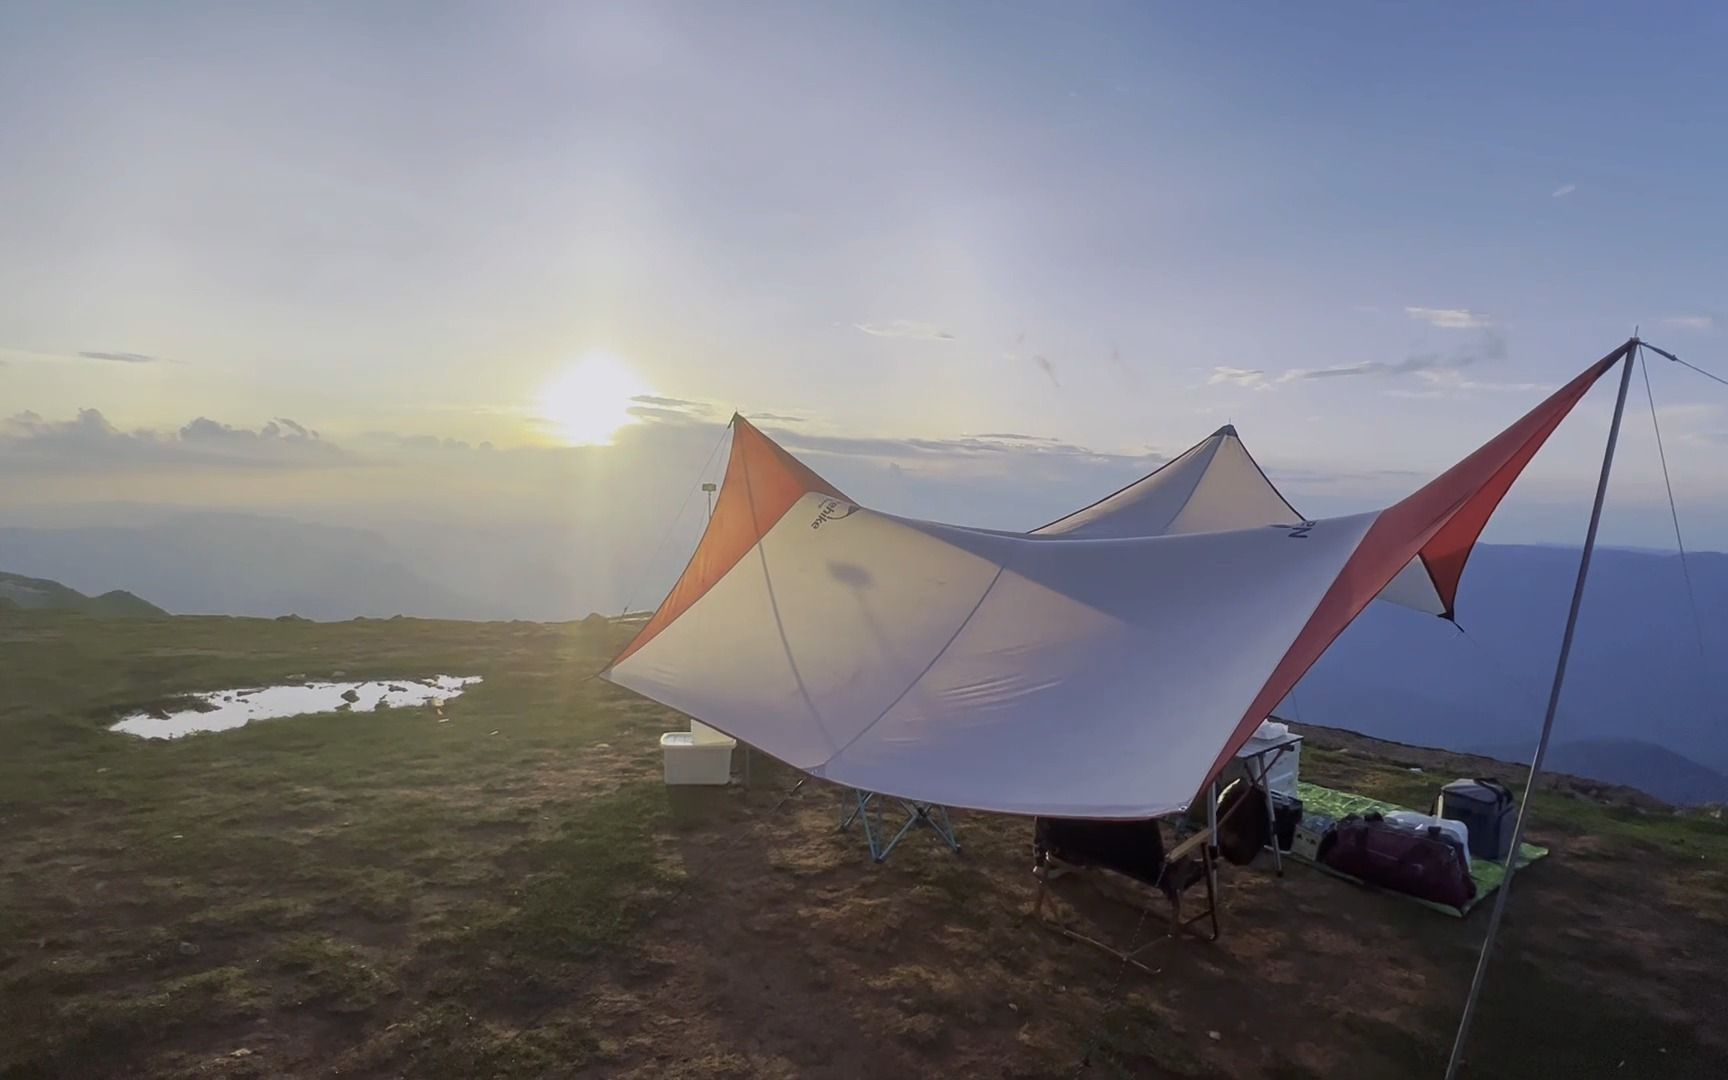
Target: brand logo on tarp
[
  {"x": 1299, "y": 531},
  {"x": 833, "y": 510}
]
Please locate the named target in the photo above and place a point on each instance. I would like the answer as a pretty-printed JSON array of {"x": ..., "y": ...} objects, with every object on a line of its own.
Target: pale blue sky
[{"x": 1111, "y": 225}]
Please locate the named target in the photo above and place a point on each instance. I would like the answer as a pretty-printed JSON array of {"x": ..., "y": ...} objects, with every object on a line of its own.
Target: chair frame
[
  {"x": 855, "y": 805},
  {"x": 1048, "y": 868}
]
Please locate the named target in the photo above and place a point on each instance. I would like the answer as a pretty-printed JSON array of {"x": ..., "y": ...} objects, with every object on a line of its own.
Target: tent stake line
[{"x": 1627, "y": 352}]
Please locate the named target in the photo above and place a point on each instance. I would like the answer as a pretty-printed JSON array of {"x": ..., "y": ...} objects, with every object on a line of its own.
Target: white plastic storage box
[
  {"x": 689, "y": 761},
  {"x": 706, "y": 734}
]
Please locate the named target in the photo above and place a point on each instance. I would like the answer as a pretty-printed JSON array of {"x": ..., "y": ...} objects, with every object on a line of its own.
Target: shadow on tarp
[{"x": 1341, "y": 804}]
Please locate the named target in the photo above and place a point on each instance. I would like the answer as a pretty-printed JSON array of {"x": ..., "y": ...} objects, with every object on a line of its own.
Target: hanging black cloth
[
  {"x": 1242, "y": 826},
  {"x": 1134, "y": 849}
]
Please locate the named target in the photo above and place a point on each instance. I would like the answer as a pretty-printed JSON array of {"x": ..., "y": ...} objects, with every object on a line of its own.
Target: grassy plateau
[{"x": 505, "y": 889}]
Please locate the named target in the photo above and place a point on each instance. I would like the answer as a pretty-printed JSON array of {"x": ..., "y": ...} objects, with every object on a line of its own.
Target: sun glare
[{"x": 588, "y": 402}]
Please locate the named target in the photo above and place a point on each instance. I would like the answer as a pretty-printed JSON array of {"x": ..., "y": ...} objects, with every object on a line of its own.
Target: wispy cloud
[
  {"x": 656, "y": 407},
  {"x": 121, "y": 357},
  {"x": 1013, "y": 436},
  {"x": 1432, "y": 367},
  {"x": 425, "y": 443},
  {"x": 777, "y": 418},
  {"x": 905, "y": 328},
  {"x": 1562, "y": 191},
  {"x": 1016, "y": 447},
  {"x": 1690, "y": 322},
  {"x": 1450, "y": 318},
  {"x": 1048, "y": 368},
  {"x": 681, "y": 404},
  {"x": 1416, "y": 364},
  {"x": 1250, "y": 378},
  {"x": 1122, "y": 368}
]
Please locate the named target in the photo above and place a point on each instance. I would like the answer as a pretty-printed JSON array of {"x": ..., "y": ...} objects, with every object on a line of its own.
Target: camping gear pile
[
  {"x": 939, "y": 666},
  {"x": 1426, "y": 862},
  {"x": 1427, "y": 857}
]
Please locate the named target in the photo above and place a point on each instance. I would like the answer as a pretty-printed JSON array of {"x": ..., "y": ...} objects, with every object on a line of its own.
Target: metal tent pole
[
  {"x": 709, "y": 489},
  {"x": 1463, "y": 1035}
]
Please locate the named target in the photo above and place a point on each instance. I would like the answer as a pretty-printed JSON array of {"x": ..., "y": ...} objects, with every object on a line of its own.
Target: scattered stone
[
  {"x": 188, "y": 949},
  {"x": 1213, "y": 1035},
  {"x": 395, "y": 689},
  {"x": 491, "y": 733},
  {"x": 350, "y": 696},
  {"x": 346, "y": 706},
  {"x": 300, "y": 677},
  {"x": 337, "y": 674},
  {"x": 240, "y": 1053}
]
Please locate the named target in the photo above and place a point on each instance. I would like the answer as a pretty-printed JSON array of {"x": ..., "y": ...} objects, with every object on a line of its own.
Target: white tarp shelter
[
  {"x": 1212, "y": 486},
  {"x": 1095, "y": 668}
]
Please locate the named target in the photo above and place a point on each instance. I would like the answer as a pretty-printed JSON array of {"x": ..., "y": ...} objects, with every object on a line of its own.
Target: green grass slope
[
  {"x": 504, "y": 890},
  {"x": 18, "y": 592}
]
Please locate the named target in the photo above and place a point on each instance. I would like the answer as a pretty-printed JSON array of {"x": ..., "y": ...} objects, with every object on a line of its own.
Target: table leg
[{"x": 1271, "y": 818}]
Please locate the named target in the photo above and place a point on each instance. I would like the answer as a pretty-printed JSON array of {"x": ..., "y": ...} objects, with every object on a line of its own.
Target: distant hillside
[
  {"x": 1637, "y": 672},
  {"x": 1632, "y": 762},
  {"x": 40, "y": 594},
  {"x": 240, "y": 564}
]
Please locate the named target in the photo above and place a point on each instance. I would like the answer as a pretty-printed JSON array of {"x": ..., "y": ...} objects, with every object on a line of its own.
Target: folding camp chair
[
  {"x": 1174, "y": 873},
  {"x": 1178, "y": 871},
  {"x": 856, "y": 805}
]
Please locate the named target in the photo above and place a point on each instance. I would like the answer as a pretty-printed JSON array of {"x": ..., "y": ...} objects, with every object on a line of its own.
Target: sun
[{"x": 586, "y": 403}]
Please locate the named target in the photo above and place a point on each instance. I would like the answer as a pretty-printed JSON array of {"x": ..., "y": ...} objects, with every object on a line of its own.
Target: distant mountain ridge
[
  {"x": 1632, "y": 763},
  {"x": 213, "y": 563},
  {"x": 1637, "y": 671},
  {"x": 41, "y": 594},
  {"x": 1638, "y": 677}
]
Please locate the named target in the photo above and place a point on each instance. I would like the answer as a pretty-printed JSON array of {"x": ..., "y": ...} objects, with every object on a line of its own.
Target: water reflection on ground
[{"x": 222, "y": 710}]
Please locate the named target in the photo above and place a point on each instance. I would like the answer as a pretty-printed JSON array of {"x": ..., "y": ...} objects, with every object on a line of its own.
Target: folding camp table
[
  {"x": 856, "y": 805},
  {"x": 1257, "y": 757}
]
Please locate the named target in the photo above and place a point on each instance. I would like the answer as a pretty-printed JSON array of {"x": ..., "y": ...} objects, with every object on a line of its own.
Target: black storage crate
[
  {"x": 1487, "y": 809},
  {"x": 1286, "y": 815}
]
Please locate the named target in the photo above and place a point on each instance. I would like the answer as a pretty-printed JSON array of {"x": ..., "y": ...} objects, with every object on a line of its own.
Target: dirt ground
[
  {"x": 506, "y": 890},
  {"x": 798, "y": 957}
]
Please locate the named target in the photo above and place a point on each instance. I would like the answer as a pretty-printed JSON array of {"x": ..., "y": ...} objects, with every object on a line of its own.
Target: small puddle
[{"x": 223, "y": 710}]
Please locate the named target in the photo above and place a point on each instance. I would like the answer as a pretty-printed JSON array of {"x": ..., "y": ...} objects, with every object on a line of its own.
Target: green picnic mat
[{"x": 1340, "y": 804}]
